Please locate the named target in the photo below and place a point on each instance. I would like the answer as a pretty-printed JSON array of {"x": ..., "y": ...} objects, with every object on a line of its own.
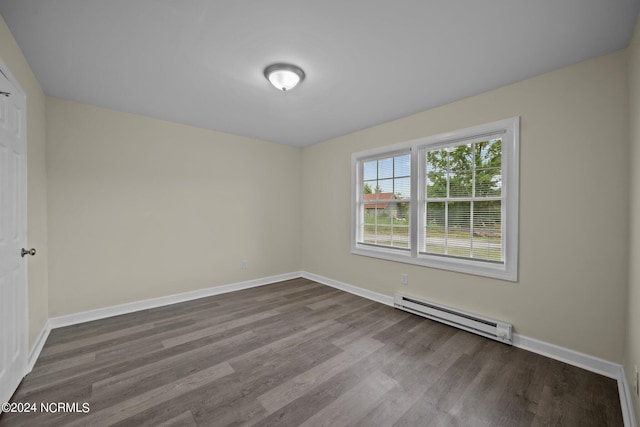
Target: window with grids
[
  {"x": 449, "y": 201},
  {"x": 463, "y": 200},
  {"x": 386, "y": 201}
]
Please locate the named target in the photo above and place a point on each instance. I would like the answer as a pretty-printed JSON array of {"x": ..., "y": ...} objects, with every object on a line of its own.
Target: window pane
[
  {"x": 436, "y": 184},
  {"x": 487, "y": 230},
  {"x": 371, "y": 213},
  {"x": 471, "y": 171},
  {"x": 488, "y": 182},
  {"x": 370, "y": 170},
  {"x": 459, "y": 247},
  {"x": 459, "y": 229},
  {"x": 489, "y": 154},
  {"x": 399, "y": 224},
  {"x": 461, "y": 184},
  {"x": 387, "y": 224},
  {"x": 386, "y": 201},
  {"x": 461, "y": 158},
  {"x": 368, "y": 187},
  {"x": 402, "y": 165},
  {"x": 435, "y": 228},
  {"x": 385, "y": 168},
  {"x": 401, "y": 212},
  {"x": 385, "y": 186},
  {"x": 437, "y": 160},
  {"x": 402, "y": 188},
  {"x": 374, "y": 187}
]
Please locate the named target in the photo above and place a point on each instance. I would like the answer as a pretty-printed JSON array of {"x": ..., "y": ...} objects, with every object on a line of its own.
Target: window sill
[{"x": 478, "y": 268}]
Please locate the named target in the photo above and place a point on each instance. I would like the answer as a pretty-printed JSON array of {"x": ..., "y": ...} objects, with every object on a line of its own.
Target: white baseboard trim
[
  {"x": 626, "y": 403},
  {"x": 375, "y": 296},
  {"x": 101, "y": 313},
  {"x": 572, "y": 357},
  {"x": 37, "y": 346}
]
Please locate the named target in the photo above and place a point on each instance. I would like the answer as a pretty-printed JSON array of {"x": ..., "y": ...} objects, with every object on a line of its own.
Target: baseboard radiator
[{"x": 490, "y": 328}]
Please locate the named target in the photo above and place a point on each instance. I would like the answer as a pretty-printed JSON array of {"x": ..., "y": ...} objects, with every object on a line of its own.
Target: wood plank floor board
[
  {"x": 354, "y": 404},
  {"x": 483, "y": 395},
  {"x": 105, "y": 368},
  {"x": 161, "y": 395},
  {"x": 68, "y": 363},
  {"x": 236, "y": 393},
  {"x": 521, "y": 393},
  {"x": 165, "y": 371},
  {"x": 300, "y": 353},
  {"x": 264, "y": 371},
  {"x": 209, "y": 310},
  {"x": 283, "y": 394},
  {"x": 69, "y": 350},
  {"x": 414, "y": 378},
  {"x": 195, "y": 309},
  {"x": 185, "y": 419}
]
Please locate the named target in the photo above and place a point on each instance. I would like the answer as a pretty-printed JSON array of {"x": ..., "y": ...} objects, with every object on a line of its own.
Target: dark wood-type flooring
[{"x": 298, "y": 353}]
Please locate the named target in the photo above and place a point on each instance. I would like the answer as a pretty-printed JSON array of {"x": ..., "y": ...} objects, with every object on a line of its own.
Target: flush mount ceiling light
[{"x": 284, "y": 76}]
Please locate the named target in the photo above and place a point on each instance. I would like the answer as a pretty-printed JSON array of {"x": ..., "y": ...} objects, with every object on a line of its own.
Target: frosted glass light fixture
[{"x": 284, "y": 77}]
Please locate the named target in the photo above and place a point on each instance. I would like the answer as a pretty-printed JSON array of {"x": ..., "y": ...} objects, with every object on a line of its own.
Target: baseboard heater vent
[{"x": 494, "y": 329}]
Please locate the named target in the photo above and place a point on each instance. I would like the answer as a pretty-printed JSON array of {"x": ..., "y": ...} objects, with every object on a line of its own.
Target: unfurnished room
[{"x": 288, "y": 213}]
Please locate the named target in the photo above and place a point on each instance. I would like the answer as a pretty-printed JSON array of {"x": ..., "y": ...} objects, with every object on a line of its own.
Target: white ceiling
[{"x": 200, "y": 62}]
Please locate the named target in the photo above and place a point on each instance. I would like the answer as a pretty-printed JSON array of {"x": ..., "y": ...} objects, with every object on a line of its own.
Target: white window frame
[{"x": 510, "y": 130}]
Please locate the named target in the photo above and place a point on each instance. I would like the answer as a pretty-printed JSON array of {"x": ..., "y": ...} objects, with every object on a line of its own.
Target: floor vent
[{"x": 494, "y": 329}]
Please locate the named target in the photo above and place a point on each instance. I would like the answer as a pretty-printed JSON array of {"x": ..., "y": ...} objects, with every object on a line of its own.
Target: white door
[{"x": 13, "y": 209}]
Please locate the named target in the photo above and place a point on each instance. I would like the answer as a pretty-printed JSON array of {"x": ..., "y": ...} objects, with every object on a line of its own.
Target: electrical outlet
[
  {"x": 404, "y": 278},
  {"x": 244, "y": 265}
]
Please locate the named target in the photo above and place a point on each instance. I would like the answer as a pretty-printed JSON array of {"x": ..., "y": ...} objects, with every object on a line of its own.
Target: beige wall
[
  {"x": 12, "y": 56},
  {"x": 632, "y": 356},
  {"x": 142, "y": 208},
  {"x": 573, "y": 208}
]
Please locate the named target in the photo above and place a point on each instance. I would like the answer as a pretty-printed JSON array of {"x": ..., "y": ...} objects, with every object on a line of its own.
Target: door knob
[{"x": 24, "y": 252}]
